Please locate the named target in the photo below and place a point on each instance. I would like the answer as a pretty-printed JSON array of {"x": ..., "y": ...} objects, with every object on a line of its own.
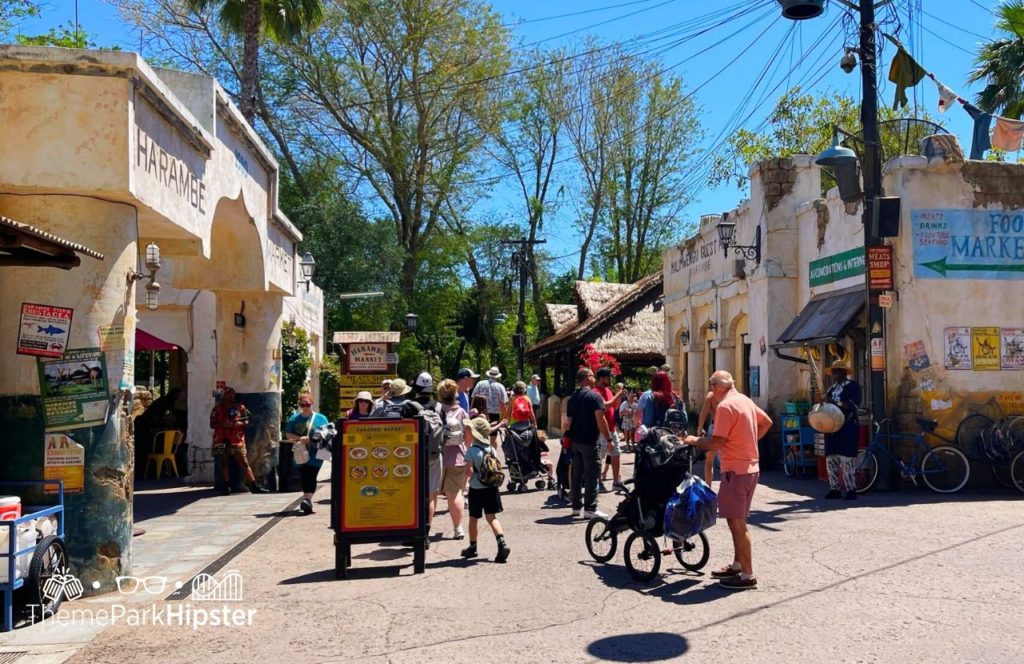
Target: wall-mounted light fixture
[
  {"x": 726, "y": 230},
  {"x": 152, "y": 265},
  {"x": 308, "y": 267},
  {"x": 684, "y": 337},
  {"x": 412, "y": 321},
  {"x": 240, "y": 316},
  {"x": 713, "y": 326}
]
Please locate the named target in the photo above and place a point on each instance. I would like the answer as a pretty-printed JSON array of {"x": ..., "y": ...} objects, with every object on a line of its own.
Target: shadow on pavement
[
  {"x": 155, "y": 499},
  {"x": 384, "y": 554},
  {"x": 318, "y": 576},
  {"x": 646, "y": 647},
  {"x": 561, "y": 520}
]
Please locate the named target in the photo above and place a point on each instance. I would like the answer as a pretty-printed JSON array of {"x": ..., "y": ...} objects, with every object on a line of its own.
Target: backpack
[
  {"x": 456, "y": 436},
  {"x": 522, "y": 409},
  {"x": 388, "y": 408},
  {"x": 489, "y": 473},
  {"x": 437, "y": 430}
]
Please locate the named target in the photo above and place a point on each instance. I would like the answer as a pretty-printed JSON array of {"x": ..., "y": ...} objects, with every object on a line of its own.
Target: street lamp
[
  {"x": 799, "y": 10},
  {"x": 152, "y": 265},
  {"x": 752, "y": 252},
  {"x": 308, "y": 267},
  {"x": 411, "y": 321}
]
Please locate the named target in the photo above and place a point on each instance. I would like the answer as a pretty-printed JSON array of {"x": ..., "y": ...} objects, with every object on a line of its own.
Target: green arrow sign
[{"x": 942, "y": 267}]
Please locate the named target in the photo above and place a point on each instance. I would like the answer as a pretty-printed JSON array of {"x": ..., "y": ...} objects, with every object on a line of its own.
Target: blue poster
[{"x": 968, "y": 244}]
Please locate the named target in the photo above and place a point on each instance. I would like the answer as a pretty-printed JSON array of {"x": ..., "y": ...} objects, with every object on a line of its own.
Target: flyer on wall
[
  {"x": 44, "y": 330},
  {"x": 74, "y": 389}
]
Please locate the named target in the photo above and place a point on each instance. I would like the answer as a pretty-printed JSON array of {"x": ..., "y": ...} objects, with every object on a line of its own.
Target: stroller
[
  {"x": 522, "y": 448},
  {"x": 663, "y": 461}
]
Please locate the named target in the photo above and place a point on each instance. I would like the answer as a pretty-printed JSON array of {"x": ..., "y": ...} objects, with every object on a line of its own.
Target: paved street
[{"x": 893, "y": 577}]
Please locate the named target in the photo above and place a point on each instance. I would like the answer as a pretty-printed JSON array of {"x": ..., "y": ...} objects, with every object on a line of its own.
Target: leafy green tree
[
  {"x": 12, "y": 12},
  {"x": 295, "y": 363},
  {"x": 1000, "y": 61},
  {"x": 279, "y": 20},
  {"x": 330, "y": 388},
  {"x": 390, "y": 92}
]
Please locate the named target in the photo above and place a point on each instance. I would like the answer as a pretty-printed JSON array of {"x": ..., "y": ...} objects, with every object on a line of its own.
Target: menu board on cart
[{"x": 380, "y": 475}]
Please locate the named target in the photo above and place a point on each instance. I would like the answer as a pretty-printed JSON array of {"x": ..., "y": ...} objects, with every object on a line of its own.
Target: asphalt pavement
[{"x": 899, "y": 576}]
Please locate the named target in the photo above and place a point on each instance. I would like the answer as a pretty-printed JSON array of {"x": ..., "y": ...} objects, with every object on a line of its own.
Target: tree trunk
[{"x": 250, "y": 60}]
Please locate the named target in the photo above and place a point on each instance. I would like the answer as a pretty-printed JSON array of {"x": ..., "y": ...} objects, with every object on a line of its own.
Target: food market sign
[
  {"x": 837, "y": 267},
  {"x": 968, "y": 244},
  {"x": 44, "y": 330},
  {"x": 367, "y": 357},
  {"x": 380, "y": 475}
]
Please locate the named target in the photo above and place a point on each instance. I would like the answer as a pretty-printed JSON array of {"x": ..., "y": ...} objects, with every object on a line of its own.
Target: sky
[{"x": 736, "y": 69}]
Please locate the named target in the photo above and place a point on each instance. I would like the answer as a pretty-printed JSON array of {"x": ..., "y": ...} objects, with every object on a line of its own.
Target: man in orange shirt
[{"x": 739, "y": 424}]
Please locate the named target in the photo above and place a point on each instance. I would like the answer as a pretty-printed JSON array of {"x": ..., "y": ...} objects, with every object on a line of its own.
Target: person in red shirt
[
  {"x": 228, "y": 420},
  {"x": 611, "y": 404},
  {"x": 739, "y": 424}
]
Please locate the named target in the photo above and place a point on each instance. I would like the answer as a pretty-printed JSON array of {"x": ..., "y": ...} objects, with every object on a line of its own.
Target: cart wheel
[
  {"x": 522, "y": 488},
  {"x": 540, "y": 484},
  {"x": 643, "y": 557},
  {"x": 49, "y": 558},
  {"x": 692, "y": 553},
  {"x": 511, "y": 487}
]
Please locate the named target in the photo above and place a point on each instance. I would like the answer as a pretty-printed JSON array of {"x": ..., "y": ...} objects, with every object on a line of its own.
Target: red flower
[{"x": 595, "y": 360}]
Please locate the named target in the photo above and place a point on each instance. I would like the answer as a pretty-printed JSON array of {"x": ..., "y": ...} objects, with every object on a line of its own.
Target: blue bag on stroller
[{"x": 693, "y": 509}]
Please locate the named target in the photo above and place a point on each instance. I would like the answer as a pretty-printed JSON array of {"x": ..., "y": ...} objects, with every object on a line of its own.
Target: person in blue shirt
[
  {"x": 297, "y": 429},
  {"x": 466, "y": 379},
  {"x": 484, "y": 501}
]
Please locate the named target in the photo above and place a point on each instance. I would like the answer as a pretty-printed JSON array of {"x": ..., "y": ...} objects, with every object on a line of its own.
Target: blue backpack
[{"x": 693, "y": 509}]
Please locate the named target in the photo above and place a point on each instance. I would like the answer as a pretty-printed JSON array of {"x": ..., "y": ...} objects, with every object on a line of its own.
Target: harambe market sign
[
  {"x": 169, "y": 170},
  {"x": 968, "y": 244}
]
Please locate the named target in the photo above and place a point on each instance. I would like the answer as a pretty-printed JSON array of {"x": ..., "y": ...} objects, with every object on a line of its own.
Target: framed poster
[
  {"x": 1011, "y": 341},
  {"x": 957, "y": 341},
  {"x": 917, "y": 355},
  {"x": 985, "y": 348},
  {"x": 44, "y": 330},
  {"x": 74, "y": 389}
]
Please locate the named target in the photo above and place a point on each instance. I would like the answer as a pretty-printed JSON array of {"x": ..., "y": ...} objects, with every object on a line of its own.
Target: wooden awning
[{"x": 27, "y": 246}]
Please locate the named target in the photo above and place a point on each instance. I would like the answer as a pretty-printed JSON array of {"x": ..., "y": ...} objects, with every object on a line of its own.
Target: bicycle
[
  {"x": 943, "y": 468},
  {"x": 993, "y": 441}
]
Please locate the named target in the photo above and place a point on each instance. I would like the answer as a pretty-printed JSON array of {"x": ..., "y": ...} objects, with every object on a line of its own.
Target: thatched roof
[
  {"x": 617, "y": 318},
  {"x": 561, "y": 315}
]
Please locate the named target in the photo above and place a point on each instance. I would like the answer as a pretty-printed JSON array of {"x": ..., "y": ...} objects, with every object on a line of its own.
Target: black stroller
[
  {"x": 663, "y": 461},
  {"x": 522, "y": 448}
]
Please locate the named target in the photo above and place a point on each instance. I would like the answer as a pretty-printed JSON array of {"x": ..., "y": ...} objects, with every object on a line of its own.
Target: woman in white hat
[{"x": 363, "y": 406}]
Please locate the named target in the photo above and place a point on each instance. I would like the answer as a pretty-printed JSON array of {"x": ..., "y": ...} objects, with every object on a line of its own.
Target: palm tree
[
  {"x": 280, "y": 20},
  {"x": 1000, "y": 62}
]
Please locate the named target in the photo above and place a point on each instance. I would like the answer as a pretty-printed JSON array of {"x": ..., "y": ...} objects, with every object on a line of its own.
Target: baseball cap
[
  {"x": 424, "y": 382},
  {"x": 466, "y": 372}
]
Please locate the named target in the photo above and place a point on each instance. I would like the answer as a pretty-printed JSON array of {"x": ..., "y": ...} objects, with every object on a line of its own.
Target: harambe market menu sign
[{"x": 968, "y": 244}]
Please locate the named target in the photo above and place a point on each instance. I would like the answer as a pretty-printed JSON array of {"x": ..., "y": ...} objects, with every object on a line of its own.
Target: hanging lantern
[{"x": 800, "y": 10}]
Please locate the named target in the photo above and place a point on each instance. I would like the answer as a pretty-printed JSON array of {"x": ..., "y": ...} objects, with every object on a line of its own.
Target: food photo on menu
[{"x": 357, "y": 453}]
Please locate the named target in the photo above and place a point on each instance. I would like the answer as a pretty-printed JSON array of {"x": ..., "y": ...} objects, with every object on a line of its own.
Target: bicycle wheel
[
  {"x": 970, "y": 433},
  {"x": 601, "y": 540},
  {"x": 692, "y": 553},
  {"x": 1017, "y": 471},
  {"x": 1001, "y": 471},
  {"x": 789, "y": 464},
  {"x": 865, "y": 470},
  {"x": 1015, "y": 433},
  {"x": 643, "y": 557},
  {"x": 945, "y": 469}
]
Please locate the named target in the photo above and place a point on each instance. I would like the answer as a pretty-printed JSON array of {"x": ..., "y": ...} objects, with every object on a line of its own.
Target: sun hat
[
  {"x": 364, "y": 396},
  {"x": 424, "y": 382},
  {"x": 840, "y": 364},
  {"x": 480, "y": 428},
  {"x": 493, "y": 372},
  {"x": 399, "y": 387}
]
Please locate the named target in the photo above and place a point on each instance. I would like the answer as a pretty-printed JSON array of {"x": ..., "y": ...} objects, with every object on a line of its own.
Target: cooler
[{"x": 10, "y": 508}]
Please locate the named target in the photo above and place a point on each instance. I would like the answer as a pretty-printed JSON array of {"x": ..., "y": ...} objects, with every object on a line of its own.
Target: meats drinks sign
[{"x": 968, "y": 244}]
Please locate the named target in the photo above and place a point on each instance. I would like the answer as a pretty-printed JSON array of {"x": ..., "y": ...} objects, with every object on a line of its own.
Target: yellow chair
[{"x": 167, "y": 442}]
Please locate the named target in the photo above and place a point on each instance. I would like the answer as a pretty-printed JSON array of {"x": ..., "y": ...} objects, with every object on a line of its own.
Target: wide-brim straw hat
[
  {"x": 493, "y": 372},
  {"x": 399, "y": 387}
]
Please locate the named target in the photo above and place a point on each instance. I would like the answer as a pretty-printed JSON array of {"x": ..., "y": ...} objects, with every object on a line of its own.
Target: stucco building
[
  {"x": 954, "y": 338},
  {"x": 103, "y": 150}
]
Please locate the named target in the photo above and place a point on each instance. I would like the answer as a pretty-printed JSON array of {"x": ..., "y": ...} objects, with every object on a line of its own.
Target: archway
[{"x": 738, "y": 334}]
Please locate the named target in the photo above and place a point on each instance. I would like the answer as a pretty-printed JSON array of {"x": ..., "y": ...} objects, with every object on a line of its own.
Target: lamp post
[
  {"x": 872, "y": 172},
  {"x": 308, "y": 267}
]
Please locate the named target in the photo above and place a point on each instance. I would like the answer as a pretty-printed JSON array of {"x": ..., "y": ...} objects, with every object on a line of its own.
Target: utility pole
[
  {"x": 872, "y": 190},
  {"x": 521, "y": 262}
]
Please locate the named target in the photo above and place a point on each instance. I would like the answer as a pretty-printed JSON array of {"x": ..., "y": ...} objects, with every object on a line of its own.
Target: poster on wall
[
  {"x": 755, "y": 381},
  {"x": 985, "y": 348},
  {"x": 44, "y": 330},
  {"x": 74, "y": 389},
  {"x": 968, "y": 244},
  {"x": 877, "y": 354},
  {"x": 917, "y": 356},
  {"x": 63, "y": 459},
  {"x": 958, "y": 348},
  {"x": 367, "y": 357},
  {"x": 1012, "y": 347}
]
